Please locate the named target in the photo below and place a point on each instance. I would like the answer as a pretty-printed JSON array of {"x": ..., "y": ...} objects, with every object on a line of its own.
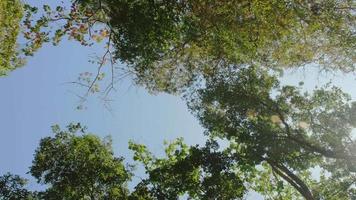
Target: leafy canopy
[
  {"x": 194, "y": 172},
  {"x": 79, "y": 166},
  {"x": 73, "y": 164},
  {"x": 275, "y": 134},
  {"x": 12, "y": 188},
  {"x": 169, "y": 45},
  {"x": 289, "y": 131},
  {"x": 76, "y": 165},
  {"x": 10, "y": 17}
]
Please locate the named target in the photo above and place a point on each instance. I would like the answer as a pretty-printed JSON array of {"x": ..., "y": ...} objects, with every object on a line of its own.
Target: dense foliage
[
  {"x": 170, "y": 44},
  {"x": 263, "y": 136},
  {"x": 12, "y": 187},
  {"x": 74, "y": 164},
  {"x": 291, "y": 131},
  {"x": 10, "y": 16},
  {"x": 195, "y": 172},
  {"x": 79, "y": 167}
]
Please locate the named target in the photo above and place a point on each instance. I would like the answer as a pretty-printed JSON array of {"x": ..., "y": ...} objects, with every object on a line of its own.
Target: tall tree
[
  {"x": 79, "y": 167},
  {"x": 12, "y": 187},
  {"x": 76, "y": 165},
  {"x": 191, "y": 172},
  {"x": 168, "y": 45},
  {"x": 282, "y": 128}
]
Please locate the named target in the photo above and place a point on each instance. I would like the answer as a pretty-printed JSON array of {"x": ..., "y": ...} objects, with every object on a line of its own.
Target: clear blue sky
[{"x": 34, "y": 97}]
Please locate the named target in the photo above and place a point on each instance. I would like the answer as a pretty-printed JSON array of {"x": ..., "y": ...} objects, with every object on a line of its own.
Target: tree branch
[{"x": 291, "y": 178}]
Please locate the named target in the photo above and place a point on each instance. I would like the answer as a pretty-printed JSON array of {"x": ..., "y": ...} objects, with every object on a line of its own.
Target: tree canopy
[
  {"x": 195, "y": 172},
  {"x": 74, "y": 164},
  {"x": 225, "y": 56},
  {"x": 10, "y": 17},
  {"x": 79, "y": 166},
  {"x": 12, "y": 187},
  {"x": 169, "y": 45},
  {"x": 291, "y": 131}
]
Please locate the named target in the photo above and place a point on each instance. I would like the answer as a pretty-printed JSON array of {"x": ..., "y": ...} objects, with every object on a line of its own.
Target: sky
[{"x": 36, "y": 96}]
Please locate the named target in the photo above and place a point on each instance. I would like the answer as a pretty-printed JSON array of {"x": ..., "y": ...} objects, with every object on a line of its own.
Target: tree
[
  {"x": 10, "y": 17},
  {"x": 79, "y": 167},
  {"x": 193, "y": 172},
  {"x": 286, "y": 131},
  {"x": 169, "y": 45},
  {"x": 12, "y": 188},
  {"x": 76, "y": 165}
]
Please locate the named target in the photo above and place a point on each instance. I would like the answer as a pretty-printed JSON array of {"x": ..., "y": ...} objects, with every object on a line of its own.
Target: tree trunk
[{"x": 292, "y": 179}]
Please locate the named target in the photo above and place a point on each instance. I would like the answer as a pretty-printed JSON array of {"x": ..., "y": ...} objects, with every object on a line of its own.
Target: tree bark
[{"x": 292, "y": 179}]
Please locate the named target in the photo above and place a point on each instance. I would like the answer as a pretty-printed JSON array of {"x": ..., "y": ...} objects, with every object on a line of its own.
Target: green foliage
[
  {"x": 195, "y": 172},
  {"x": 291, "y": 131},
  {"x": 79, "y": 167},
  {"x": 12, "y": 188},
  {"x": 10, "y": 16},
  {"x": 76, "y": 165},
  {"x": 226, "y": 52},
  {"x": 46, "y": 24},
  {"x": 171, "y": 45}
]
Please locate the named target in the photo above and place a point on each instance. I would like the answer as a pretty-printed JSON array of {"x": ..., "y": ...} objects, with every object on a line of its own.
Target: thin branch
[{"x": 102, "y": 62}]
